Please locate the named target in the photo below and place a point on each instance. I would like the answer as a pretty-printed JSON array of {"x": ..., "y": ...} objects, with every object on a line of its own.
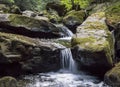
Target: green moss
[
  {"x": 17, "y": 20},
  {"x": 64, "y": 43},
  {"x": 95, "y": 25},
  {"x": 20, "y": 38},
  {"x": 77, "y": 15},
  {"x": 113, "y": 14},
  {"x": 88, "y": 43}
]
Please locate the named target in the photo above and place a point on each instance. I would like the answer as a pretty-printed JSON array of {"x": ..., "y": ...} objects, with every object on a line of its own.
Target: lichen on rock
[{"x": 94, "y": 42}]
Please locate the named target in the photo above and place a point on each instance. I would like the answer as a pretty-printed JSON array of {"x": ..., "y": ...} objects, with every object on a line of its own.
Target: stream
[{"x": 67, "y": 76}]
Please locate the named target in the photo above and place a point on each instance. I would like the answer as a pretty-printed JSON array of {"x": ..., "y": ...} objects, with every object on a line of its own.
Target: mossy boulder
[
  {"x": 59, "y": 8},
  {"x": 73, "y": 19},
  {"x": 112, "y": 77},
  {"x": 27, "y": 26},
  {"x": 8, "y": 82},
  {"x": 112, "y": 15},
  {"x": 113, "y": 21},
  {"x": 93, "y": 43},
  {"x": 24, "y": 55},
  {"x": 53, "y": 16}
]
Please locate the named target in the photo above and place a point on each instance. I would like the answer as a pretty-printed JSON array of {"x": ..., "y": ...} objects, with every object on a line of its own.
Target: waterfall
[
  {"x": 67, "y": 61},
  {"x": 64, "y": 30}
]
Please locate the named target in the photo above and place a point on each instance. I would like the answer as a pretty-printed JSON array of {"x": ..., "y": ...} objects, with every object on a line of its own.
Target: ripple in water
[{"x": 63, "y": 78}]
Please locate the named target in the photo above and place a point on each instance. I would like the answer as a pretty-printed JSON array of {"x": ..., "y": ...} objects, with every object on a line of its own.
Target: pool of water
[{"x": 62, "y": 78}]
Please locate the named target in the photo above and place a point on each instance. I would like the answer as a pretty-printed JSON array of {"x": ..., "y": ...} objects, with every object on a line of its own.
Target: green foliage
[
  {"x": 33, "y": 4},
  {"x": 42, "y": 3},
  {"x": 69, "y": 4},
  {"x": 7, "y": 1},
  {"x": 26, "y": 4}
]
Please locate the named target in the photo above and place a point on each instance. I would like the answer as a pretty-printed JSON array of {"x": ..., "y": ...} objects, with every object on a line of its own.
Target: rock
[
  {"x": 73, "y": 19},
  {"x": 93, "y": 44},
  {"x": 4, "y": 8},
  {"x": 24, "y": 55},
  {"x": 60, "y": 9},
  {"x": 27, "y": 26},
  {"x": 112, "y": 77},
  {"x": 53, "y": 16},
  {"x": 65, "y": 30},
  {"x": 9, "y": 9},
  {"x": 8, "y": 81},
  {"x": 29, "y": 13},
  {"x": 41, "y": 18},
  {"x": 15, "y": 9},
  {"x": 112, "y": 16},
  {"x": 113, "y": 21}
]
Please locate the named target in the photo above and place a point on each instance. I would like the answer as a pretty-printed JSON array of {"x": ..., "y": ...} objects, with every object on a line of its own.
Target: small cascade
[
  {"x": 67, "y": 61},
  {"x": 65, "y": 31}
]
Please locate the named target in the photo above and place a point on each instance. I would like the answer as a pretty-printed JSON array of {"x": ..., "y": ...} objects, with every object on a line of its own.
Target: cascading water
[
  {"x": 67, "y": 61},
  {"x": 65, "y": 31},
  {"x": 66, "y": 77}
]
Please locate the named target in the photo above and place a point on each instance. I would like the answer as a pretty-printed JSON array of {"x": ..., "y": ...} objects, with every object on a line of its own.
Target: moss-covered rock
[
  {"x": 28, "y": 26},
  {"x": 94, "y": 43},
  {"x": 53, "y": 16},
  {"x": 4, "y": 8},
  {"x": 112, "y": 15},
  {"x": 20, "y": 55},
  {"x": 9, "y": 9},
  {"x": 113, "y": 21},
  {"x": 73, "y": 19},
  {"x": 112, "y": 77},
  {"x": 59, "y": 8},
  {"x": 8, "y": 82}
]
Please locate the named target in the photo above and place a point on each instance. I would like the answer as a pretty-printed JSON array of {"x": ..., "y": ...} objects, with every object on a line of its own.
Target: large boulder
[
  {"x": 73, "y": 19},
  {"x": 112, "y": 77},
  {"x": 27, "y": 26},
  {"x": 20, "y": 55},
  {"x": 8, "y": 81},
  {"x": 93, "y": 44}
]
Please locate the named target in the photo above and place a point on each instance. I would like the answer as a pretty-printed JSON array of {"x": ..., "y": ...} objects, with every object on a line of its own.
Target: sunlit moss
[
  {"x": 75, "y": 15},
  {"x": 20, "y": 38},
  {"x": 19, "y": 20}
]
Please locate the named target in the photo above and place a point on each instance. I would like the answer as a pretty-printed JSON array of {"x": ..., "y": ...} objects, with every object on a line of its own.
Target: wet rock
[
  {"x": 112, "y": 77},
  {"x": 27, "y": 26},
  {"x": 24, "y": 55},
  {"x": 93, "y": 44},
  {"x": 42, "y": 18},
  {"x": 8, "y": 82},
  {"x": 73, "y": 19},
  {"x": 29, "y": 13},
  {"x": 60, "y": 9}
]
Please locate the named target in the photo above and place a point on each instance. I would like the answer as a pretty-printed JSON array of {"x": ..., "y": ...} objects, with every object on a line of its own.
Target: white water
[
  {"x": 68, "y": 76},
  {"x": 65, "y": 30},
  {"x": 67, "y": 61},
  {"x": 63, "y": 79}
]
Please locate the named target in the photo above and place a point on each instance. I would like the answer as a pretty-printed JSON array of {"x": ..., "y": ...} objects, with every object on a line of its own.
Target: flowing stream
[{"x": 68, "y": 76}]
